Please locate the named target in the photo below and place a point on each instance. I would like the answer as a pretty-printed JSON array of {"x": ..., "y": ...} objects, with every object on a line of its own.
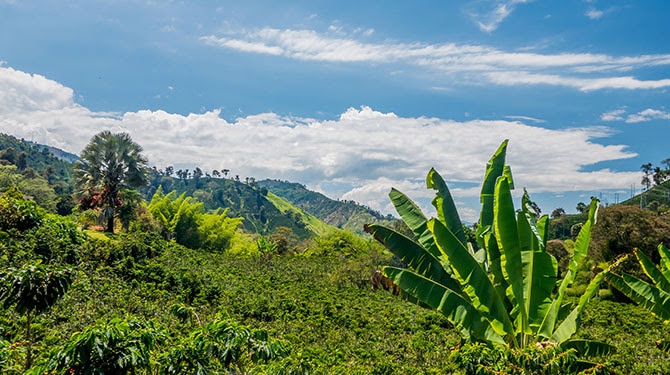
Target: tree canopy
[{"x": 109, "y": 164}]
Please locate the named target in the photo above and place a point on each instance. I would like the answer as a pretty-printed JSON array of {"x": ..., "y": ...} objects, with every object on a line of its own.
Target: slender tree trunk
[{"x": 29, "y": 342}]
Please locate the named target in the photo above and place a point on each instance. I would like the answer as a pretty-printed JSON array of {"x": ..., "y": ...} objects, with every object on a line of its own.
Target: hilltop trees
[{"x": 109, "y": 164}]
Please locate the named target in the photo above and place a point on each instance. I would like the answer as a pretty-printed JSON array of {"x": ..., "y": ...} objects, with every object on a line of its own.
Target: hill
[
  {"x": 265, "y": 205},
  {"x": 53, "y": 164},
  {"x": 347, "y": 215},
  {"x": 656, "y": 196},
  {"x": 263, "y": 211}
]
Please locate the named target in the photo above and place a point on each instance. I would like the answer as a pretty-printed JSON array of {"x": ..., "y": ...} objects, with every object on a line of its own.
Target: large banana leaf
[
  {"x": 540, "y": 269},
  {"x": 658, "y": 301},
  {"x": 414, "y": 255},
  {"x": 624, "y": 285},
  {"x": 539, "y": 280},
  {"x": 494, "y": 169},
  {"x": 444, "y": 204},
  {"x": 569, "y": 325},
  {"x": 474, "y": 280},
  {"x": 458, "y": 310},
  {"x": 415, "y": 219},
  {"x": 580, "y": 252},
  {"x": 665, "y": 260},
  {"x": 654, "y": 273},
  {"x": 589, "y": 348},
  {"x": 506, "y": 232}
]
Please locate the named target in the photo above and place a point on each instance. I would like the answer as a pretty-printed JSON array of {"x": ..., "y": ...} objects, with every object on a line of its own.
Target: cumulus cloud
[
  {"x": 460, "y": 64},
  {"x": 358, "y": 156}
]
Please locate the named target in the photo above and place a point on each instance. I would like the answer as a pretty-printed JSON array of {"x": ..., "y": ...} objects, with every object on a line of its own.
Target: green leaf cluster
[
  {"x": 505, "y": 293},
  {"x": 119, "y": 346},
  {"x": 654, "y": 295},
  {"x": 184, "y": 220}
]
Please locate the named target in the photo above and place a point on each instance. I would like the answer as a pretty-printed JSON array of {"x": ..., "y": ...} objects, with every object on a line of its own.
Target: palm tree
[{"x": 109, "y": 164}]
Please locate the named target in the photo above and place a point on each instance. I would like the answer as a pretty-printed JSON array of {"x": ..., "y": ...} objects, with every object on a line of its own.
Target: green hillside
[
  {"x": 53, "y": 164},
  {"x": 347, "y": 215},
  {"x": 249, "y": 201},
  {"x": 657, "y": 195}
]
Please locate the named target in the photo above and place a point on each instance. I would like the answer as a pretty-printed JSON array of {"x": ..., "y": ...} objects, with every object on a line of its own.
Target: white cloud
[
  {"x": 359, "y": 156},
  {"x": 615, "y": 115},
  {"x": 594, "y": 14},
  {"x": 453, "y": 63},
  {"x": 583, "y": 84},
  {"x": 646, "y": 115},
  {"x": 526, "y": 118},
  {"x": 488, "y": 15}
]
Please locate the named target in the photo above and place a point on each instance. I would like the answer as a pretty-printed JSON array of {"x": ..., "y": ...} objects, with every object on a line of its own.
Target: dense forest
[{"x": 111, "y": 267}]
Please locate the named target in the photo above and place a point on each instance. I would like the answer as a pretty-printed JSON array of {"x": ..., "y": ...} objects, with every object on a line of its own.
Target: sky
[{"x": 352, "y": 98}]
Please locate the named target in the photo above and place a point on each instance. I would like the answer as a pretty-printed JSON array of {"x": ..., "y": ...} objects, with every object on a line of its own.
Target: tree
[
  {"x": 504, "y": 294},
  {"x": 33, "y": 289},
  {"x": 109, "y": 164},
  {"x": 216, "y": 173},
  {"x": 184, "y": 220},
  {"x": 581, "y": 207},
  {"x": 646, "y": 169},
  {"x": 659, "y": 175},
  {"x": 197, "y": 175},
  {"x": 557, "y": 213}
]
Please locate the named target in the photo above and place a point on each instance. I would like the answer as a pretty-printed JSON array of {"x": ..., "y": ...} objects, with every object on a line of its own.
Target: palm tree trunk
[{"x": 110, "y": 225}]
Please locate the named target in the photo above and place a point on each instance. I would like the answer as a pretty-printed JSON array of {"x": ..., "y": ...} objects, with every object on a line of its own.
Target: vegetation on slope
[
  {"x": 346, "y": 215},
  {"x": 292, "y": 303}
]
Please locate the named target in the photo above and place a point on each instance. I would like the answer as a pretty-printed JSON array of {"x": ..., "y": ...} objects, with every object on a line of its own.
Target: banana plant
[
  {"x": 654, "y": 296},
  {"x": 507, "y": 292}
]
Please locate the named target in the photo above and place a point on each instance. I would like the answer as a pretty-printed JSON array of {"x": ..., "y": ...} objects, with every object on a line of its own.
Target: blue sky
[{"x": 353, "y": 97}]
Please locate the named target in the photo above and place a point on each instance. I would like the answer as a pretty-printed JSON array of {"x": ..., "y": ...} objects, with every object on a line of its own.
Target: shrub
[{"x": 18, "y": 212}]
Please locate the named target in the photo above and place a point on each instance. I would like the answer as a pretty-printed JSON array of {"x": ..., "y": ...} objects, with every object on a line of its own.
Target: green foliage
[
  {"x": 347, "y": 215},
  {"x": 109, "y": 165},
  {"x": 33, "y": 287},
  {"x": 57, "y": 239},
  {"x": 654, "y": 295},
  {"x": 244, "y": 200},
  {"x": 339, "y": 243},
  {"x": 536, "y": 360},
  {"x": 31, "y": 185},
  {"x": 230, "y": 344},
  {"x": 621, "y": 228},
  {"x": 183, "y": 218},
  {"x": 53, "y": 164},
  {"x": 16, "y": 212},
  {"x": 503, "y": 294},
  {"x": 119, "y": 346},
  {"x": 218, "y": 230}
]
